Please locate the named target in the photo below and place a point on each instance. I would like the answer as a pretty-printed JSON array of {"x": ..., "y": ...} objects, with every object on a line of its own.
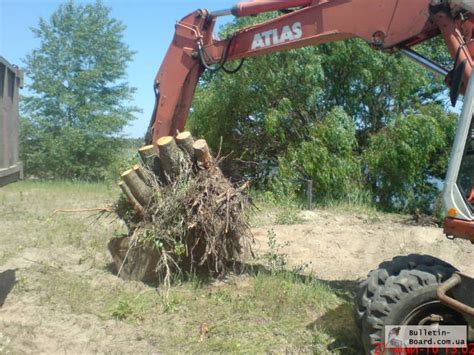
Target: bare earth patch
[{"x": 345, "y": 246}]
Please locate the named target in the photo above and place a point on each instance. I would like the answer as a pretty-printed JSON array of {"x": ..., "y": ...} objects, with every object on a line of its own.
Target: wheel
[
  {"x": 403, "y": 292},
  {"x": 377, "y": 278}
]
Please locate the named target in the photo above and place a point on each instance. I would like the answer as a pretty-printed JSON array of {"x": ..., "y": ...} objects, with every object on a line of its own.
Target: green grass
[
  {"x": 274, "y": 209},
  {"x": 288, "y": 216},
  {"x": 64, "y": 268},
  {"x": 26, "y": 213},
  {"x": 358, "y": 202},
  {"x": 256, "y": 313}
]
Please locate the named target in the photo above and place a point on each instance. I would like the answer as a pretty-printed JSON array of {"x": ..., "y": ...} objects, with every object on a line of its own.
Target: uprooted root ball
[{"x": 195, "y": 220}]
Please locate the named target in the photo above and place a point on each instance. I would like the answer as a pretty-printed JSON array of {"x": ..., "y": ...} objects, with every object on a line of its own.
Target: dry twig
[{"x": 79, "y": 210}]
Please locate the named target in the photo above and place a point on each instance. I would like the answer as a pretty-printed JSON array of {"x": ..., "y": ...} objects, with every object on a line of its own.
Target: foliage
[
  {"x": 274, "y": 259},
  {"x": 313, "y": 112},
  {"x": 288, "y": 216},
  {"x": 407, "y": 160},
  {"x": 327, "y": 158},
  {"x": 77, "y": 106},
  {"x": 372, "y": 87},
  {"x": 261, "y": 109},
  {"x": 130, "y": 307}
]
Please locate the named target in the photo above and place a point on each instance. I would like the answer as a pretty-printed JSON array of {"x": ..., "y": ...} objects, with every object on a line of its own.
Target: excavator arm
[{"x": 387, "y": 25}]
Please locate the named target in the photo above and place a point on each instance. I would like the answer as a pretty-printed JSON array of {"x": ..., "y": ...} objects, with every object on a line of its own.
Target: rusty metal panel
[{"x": 11, "y": 79}]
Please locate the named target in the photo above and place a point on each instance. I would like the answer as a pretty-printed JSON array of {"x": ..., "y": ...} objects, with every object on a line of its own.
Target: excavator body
[{"x": 434, "y": 290}]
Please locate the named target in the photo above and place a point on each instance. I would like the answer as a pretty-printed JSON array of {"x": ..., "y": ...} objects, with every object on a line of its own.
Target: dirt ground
[
  {"x": 345, "y": 246},
  {"x": 57, "y": 289}
]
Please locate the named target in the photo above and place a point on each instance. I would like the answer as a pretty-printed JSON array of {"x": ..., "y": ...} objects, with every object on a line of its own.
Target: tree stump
[
  {"x": 148, "y": 153},
  {"x": 169, "y": 156},
  {"x": 202, "y": 153},
  {"x": 149, "y": 253},
  {"x": 140, "y": 172},
  {"x": 131, "y": 199},
  {"x": 185, "y": 141}
]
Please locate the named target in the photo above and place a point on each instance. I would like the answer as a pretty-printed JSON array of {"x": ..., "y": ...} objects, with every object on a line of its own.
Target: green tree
[
  {"x": 373, "y": 87},
  {"x": 78, "y": 97},
  {"x": 407, "y": 160},
  {"x": 260, "y": 110},
  {"x": 326, "y": 157},
  {"x": 273, "y": 102}
]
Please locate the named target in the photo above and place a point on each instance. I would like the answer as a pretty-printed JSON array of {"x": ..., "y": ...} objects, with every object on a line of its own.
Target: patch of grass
[
  {"x": 359, "y": 204},
  {"x": 26, "y": 213},
  {"x": 271, "y": 314},
  {"x": 288, "y": 216},
  {"x": 133, "y": 307},
  {"x": 343, "y": 334},
  {"x": 267, "y": 200},
  {"x": 274, "y": 210},
  {"x": 274, "y": 259},
  {"x": 287, "y": 292},
  {"x": 286, "y": 210},
  {"x": 356, "y": 202},
  {"x": 7, "y": 254},
  {"x": 86, "y": 295}
]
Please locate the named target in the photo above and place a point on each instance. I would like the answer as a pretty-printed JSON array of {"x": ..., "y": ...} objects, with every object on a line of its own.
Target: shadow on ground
[
  {"x": 339, "y": 325},
  {"x": 7, "y": 281},
  {"x": 344, "y": 289}
]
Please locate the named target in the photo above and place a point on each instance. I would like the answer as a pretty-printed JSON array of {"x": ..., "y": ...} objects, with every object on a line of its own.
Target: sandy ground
[
  {"x": 346, "y": 246},
  {"x": 335, "y": 247}
]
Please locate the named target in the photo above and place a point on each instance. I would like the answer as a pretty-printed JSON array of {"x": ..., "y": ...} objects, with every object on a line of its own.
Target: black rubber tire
[
  {"x": 394, "y": 290},
  {"x": 377, "y": 278}
]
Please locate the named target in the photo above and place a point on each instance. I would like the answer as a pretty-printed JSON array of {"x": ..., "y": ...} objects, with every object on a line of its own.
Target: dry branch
[{"x": 79, "y": 210}]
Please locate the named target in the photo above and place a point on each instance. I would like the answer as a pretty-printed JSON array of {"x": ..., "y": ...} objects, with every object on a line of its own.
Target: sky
[{"x": 150, "y": 29}]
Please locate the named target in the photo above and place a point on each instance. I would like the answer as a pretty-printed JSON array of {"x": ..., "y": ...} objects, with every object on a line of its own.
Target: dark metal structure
[{"x": 11, "y": 79}]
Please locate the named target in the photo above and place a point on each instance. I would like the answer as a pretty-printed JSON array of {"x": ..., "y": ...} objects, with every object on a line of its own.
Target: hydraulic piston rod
[
  {"x": 259, "y": 6},
  {"x": 220, "y": 13},
  {"x": 427, "y": 63}
]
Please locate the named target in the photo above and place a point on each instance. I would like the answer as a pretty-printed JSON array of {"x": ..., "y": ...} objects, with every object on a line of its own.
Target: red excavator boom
[{"x": 387, "y": 25}]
